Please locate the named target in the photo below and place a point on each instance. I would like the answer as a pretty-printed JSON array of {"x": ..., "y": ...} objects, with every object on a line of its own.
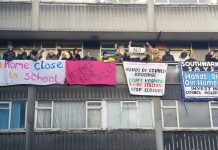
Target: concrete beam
[
  {"x": 158, "y": 124},
  {"x": 151, "y": 16},
  {"x": 35, "y": 15},
  {"x": 30, "y": 117}
]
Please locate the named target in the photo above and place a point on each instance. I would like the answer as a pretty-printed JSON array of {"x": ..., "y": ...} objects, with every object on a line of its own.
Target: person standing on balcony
[
  {"x": 64, "y": 56},
  {"x": 118, "y": 56},
  {"x": 155, "y": 52},
  {"x": 52, "y": 56},
  {"x": 88, "y": 56},
  {"x": 191, "y": 57},
  {"x": 35, "y": 54},
  {"x": 9, "y": 55},
  {"x": 211, "y": 56},
  {"x": 168, "y": 56},
  {"x": 22, "y": 55},
  {"x": 75, "y": 55}
]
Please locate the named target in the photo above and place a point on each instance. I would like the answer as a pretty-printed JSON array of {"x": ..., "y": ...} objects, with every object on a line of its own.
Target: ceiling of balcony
[{"x": 106, "y": 36}]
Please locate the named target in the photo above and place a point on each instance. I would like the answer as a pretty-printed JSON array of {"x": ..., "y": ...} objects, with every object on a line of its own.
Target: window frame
[
  {"x": 188, "y": 128},
  {"x": 44, "y": 108},
  {"x": 170, "y": 107},
  {"x": 211, "y": 114},
  {"x": 101, "y": 110},
  {"x": 9, "y": 116}
]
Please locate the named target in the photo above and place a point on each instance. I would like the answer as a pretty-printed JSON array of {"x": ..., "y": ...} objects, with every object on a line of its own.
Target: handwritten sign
[
  {"x": 137, "y": 52},
  {"x": 30, "y": 72},
  {"x": 146, "y": 78},
  {"x": 90, "y": 72},
  {"x": 199, "y": 80}
]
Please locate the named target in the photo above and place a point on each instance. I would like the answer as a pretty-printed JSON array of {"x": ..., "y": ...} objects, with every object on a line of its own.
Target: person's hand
[
  {"x": 58, "y": 47},
  {"x": 130, "y": 42},
  {"x": 147, "y": 43},
  {"x": 115, "y": 45}
]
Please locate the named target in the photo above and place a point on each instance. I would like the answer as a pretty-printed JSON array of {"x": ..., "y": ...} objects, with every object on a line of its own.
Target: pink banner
[{"x": 90, "y": 72}]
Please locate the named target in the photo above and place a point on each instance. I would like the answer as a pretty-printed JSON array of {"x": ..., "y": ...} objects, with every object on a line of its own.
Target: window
[
  {"x": 94, "y": 116},
  {"x": 12, "y": 114},
  {"x": 214, "y": 114},
  {"x": 68, "y": 115},
  {"x": 44, "y": 115},
  {"x": 129, "y": 114},
  {"x": 194, "y": 114},
  {"x": 179, "y": 114},
  {"x": 169, "y": 113}
]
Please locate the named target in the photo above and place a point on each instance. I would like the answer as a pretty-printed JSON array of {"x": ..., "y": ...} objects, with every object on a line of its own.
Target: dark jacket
[
  {"x": 64, "y": 58},
  {"x": 168, "y": 57},
  {"x": 126, "y": 57},
  {"x": 209, "y": 57},
  {"x": 22, "y": 56},
  {"x": 190, "y": 59},
  {"x": 76, "y": 57},
  {"x": 54, "y": 57},
  {"x": 9, "y": 55},
  {"x": 33, "y": 55},
  {"x": 88, "y": 58}
]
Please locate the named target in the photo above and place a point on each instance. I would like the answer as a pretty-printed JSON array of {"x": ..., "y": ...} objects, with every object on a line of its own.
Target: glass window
[
  {"x": 129, "y": 115},
  {"x": 94, "y": 115},
  {"x": 12, "y": 114},
  {"x": 113, "y": 114},
  {"x": 145, "y": 114},
  {"x": 43, "y": 118},
  {"x": 170, "y": 117},
  {"x": 44, "y": 114},
  {"x": 194, "y": 114},
  {"x": 69, "y": 115},
  {"x": 169, "y": 110},
  {"x": 214, "y": 112}
]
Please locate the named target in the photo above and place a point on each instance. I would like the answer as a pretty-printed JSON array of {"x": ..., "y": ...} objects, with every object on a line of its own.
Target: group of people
[
  {"x": 119, "y": 55},
  {"x": 37, "y": 54}
]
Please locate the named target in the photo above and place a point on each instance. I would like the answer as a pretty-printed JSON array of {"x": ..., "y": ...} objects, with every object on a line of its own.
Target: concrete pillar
[
  {"x": 30, "y": 117},
  {"x": 151, "y": 16},
  {"x": 35, "y": 15},
  {"x": 158, "y": 124}
]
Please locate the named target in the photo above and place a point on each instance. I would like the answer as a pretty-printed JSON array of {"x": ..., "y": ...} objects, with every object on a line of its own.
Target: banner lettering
[
  {"x": 90, "y": 72},
  {"x": 199, "y": 80},
  {"x": 146, "y": 78}
]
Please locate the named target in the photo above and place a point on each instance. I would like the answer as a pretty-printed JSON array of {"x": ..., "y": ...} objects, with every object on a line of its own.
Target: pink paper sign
[{"x": 90, "y": 72}]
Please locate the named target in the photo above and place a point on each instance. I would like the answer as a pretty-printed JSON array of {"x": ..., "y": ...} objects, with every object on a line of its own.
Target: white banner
[
  {"x": 29, "y": 72},
  {"x": 146, "y": 78}
]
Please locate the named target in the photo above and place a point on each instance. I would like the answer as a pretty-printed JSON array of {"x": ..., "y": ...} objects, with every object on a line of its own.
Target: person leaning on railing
[
  {"x": 167, "y": 56},
  {"x": 105, "y": 57},
  {"x": 52, "y": 56},
  {"x": 118, "y": 56},
  {"x": 35, "y": 54},
  {"x": 155, "y": 52},
  {"x": 22, "y": 54},
  {"x": 75, "y": 55},
  {"x": 191, "y": 57},
  {"x": 88, "y": 56},
  {"x": 212, "y": 55},
  {"x": 9, "y": 55}
]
